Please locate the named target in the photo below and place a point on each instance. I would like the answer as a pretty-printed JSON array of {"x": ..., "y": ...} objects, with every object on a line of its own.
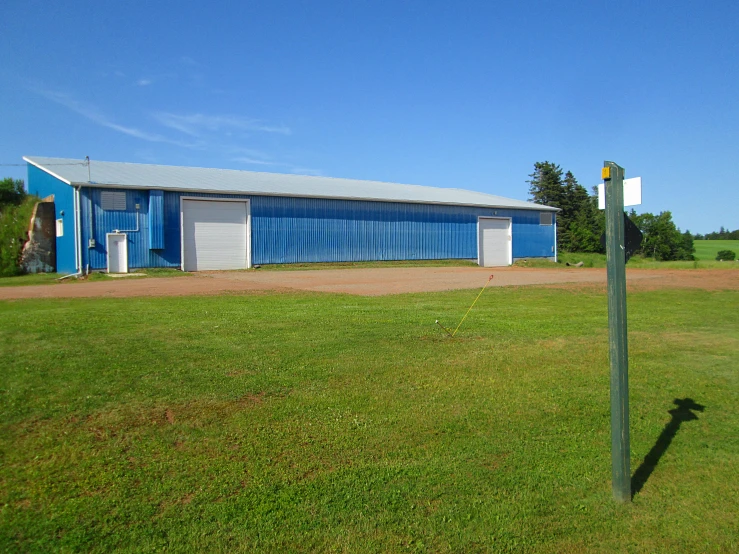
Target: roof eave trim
[
  {"x": 292, "y": 195},
  {"x": 42, "y": 168}
]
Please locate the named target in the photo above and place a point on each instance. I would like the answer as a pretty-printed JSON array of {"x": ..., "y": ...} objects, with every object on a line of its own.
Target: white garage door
[
  {"x": 494, "y": 242},
  {"x": 214, "y": 235}
]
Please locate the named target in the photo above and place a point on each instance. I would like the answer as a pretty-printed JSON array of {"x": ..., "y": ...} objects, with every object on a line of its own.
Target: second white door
[{"x": 494, "y": 241}]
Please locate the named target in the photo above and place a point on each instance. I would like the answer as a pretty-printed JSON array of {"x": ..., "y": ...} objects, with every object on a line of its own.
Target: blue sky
[{"x": 448, "y": 94}]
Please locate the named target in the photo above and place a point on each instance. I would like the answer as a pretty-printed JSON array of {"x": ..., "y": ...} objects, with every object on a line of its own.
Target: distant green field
[
  {"x": 707, "y": 249},
  {"x": 636, "y": 262},
  {"x": 308, "y": 422}
]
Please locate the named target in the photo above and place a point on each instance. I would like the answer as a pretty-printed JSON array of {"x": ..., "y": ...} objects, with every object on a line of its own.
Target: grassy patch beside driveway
[
  {"x": 318, "y": 422},
  {"x": 53, "y": 278}
]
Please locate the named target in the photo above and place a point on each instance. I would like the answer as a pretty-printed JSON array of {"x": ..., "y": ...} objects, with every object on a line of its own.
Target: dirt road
[{"x": 371, "y": 281}]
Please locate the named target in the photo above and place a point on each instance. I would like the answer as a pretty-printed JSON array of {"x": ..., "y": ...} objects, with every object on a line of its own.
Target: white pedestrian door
[
  {"x": 117, "y": 253},
  {"x": 214, "y": 235},
  {"x": 494, "y": 242}
]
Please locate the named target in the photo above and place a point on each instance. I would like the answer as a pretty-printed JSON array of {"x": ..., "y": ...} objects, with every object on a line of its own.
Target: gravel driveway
[{"x": 370, "y": 281}]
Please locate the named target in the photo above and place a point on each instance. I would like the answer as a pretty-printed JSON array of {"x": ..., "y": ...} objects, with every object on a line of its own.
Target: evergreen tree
[
  {"x": 578, "y": 219},
  {"x": 577, "y": 222},
  {"x": 587, "y": 227},
  {"x": 687, "y": 249},
  {"x": 546, "y": 184}
]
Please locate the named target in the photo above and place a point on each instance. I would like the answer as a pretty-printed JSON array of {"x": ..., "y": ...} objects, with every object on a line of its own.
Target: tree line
[
  {"x": 12, "y": 192},
  {"x": 721, "y": 234},
  {"x": 580, "y": 223}
]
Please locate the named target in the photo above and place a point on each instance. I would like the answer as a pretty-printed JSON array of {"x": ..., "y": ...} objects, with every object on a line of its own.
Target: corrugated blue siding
[
  {"x": 531, "y": 240},
  {"x": 287, "y": 230},
  {"x": 290, "y": 230},
  {"x": 42, "y": 184},
  {"x": 156, "y": 219},
  {"x": 136, "y": 223}
]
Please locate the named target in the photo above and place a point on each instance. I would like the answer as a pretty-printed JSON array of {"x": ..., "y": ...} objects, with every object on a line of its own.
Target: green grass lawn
[
  {"x": 330, "y": 423},
  {"x": 31, "y": 279},
  {"x": 53, "y": 278},
  {"x": 707, "y": 249}
]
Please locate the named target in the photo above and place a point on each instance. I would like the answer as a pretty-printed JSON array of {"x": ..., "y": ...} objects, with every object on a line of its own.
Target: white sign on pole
[{"x": 632, "y": 193}]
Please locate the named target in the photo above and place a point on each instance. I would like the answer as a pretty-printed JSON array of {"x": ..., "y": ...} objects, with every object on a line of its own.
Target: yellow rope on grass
[{"x": 473, "y": 305}]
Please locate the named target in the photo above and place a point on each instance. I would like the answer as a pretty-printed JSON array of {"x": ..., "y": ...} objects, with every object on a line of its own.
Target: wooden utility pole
[{"x": 618, "y": 347}]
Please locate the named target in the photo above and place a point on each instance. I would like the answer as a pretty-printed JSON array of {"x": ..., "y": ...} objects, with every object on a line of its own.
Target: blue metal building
[{"x": 118, "y": 216}]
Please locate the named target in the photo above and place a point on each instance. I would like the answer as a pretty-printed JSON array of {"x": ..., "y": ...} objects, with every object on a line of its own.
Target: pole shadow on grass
[{"x": 683, "y": 412}]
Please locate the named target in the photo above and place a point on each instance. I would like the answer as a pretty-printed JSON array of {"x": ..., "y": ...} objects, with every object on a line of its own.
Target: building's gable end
[{"x": 43, "y": 184}]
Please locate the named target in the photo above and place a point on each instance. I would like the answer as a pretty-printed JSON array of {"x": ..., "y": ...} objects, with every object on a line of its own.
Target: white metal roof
[{"x": 229, "y": 181}]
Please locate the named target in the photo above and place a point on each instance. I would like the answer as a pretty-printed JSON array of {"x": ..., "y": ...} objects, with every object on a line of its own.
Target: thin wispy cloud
[
  {"x": 209, "y": 133},
  {"x": 306, "y": 171},
  {"x": 197, "y": 124},
  {"x": 259, "y": 158},
  {"x": 253, "y": 161},
  {"x": 146, "y": 155},
  {"x": 250, "y": 152},
  {"x": 93, "y": 114},
  {"x": 252, "y": 156}
]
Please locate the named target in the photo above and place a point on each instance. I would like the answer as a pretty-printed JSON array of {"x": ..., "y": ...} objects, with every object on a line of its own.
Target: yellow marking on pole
[
  {"x": 473, "y": 305},
  {"x": 605, "y": 173}
]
